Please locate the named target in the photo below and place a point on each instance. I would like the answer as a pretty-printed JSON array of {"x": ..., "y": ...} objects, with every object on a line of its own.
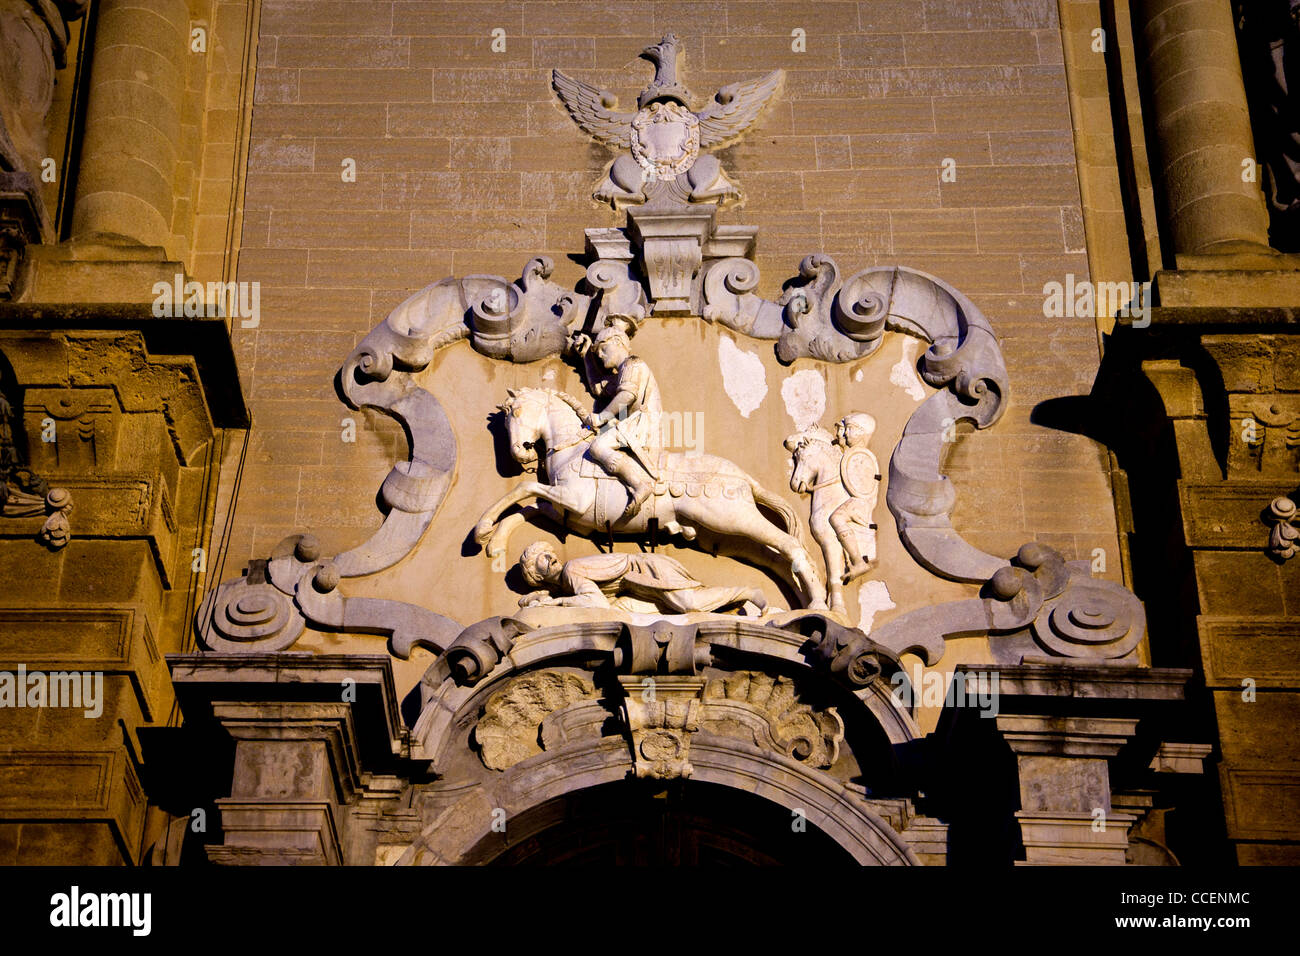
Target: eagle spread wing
[
  {"x": 734, "y": 107},
  {"x": 593, "y": 110}
]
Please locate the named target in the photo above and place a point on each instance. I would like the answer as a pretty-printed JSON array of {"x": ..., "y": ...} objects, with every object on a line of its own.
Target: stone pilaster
[
  {"x": 1077, "y": 733},
  {"x": 1066, "y": 817},
  {"x": 295, "y": 768},
  {"x": 124, "y": 418},
  {"x": 317, "y": 739},
  {"x": 1228, "y": 384}
]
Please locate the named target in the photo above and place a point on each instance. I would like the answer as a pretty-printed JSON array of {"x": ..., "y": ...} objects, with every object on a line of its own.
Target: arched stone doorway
[
  {"x": 587, "y": 791},
  {"x": 684, "y": 823}
]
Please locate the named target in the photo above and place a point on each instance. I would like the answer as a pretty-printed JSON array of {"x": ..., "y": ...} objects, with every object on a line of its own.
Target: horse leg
[
  {"x": 761, "y": 534},
  {"x": 833, "y": 554},
  {"x": 496, "y": 532},
  {"x": 490, "y": 517}
]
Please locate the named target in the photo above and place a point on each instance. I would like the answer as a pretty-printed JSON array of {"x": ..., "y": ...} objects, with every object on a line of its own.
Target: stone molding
[{"x": 1039, "y": 607}]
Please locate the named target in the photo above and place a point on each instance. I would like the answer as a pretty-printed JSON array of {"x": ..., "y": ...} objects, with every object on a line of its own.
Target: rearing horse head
[
  {"x": 528, "y": 416},
  {"x": 812, "y": 450}
]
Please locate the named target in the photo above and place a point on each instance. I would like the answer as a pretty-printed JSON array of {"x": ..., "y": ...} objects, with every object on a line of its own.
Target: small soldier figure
[{"x": 860, "y": 473}]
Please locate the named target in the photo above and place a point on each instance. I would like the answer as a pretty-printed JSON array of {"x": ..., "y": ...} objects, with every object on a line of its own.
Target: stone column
[
  {"x": 1202, "y": 125},
  {"x": 125, "y": 186}
]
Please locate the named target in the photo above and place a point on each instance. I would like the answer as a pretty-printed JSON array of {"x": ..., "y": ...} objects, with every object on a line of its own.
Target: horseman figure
[
  {"x": 707, "y": 500},
  {"x": 630, "y": 419}
]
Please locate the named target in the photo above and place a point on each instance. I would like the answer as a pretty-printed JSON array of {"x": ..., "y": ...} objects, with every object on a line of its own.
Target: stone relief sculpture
[
  {"x": 694, "y": 495},
  {"x": 1038, "y": 607},
  {"x": 507, "y": 733},
  {"x": 605, "y": 472},
  {"x": 606, "y": 580},
  {"x": 795, "y": 705},
  {"x": 34, "y": 36},
  {"x": 630, "y": 419},
  {"x": 789, "y": 726},
  {"x": 842, "y": 476},
  {"x": 663, "y": 139}
]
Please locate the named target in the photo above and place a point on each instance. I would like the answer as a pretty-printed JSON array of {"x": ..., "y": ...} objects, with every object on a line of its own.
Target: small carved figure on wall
[
  {"x": 1284, "y": 539},
  {"x": 860, "y": 475},
  {"x": 843, "y": 477},
  {"x": 599, "y": 580}
]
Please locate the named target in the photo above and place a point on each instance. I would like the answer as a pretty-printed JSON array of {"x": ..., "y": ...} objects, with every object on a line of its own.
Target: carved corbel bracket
[
  {"x": 829, "y": 320},
  {"x": 622, "y": 297},
  {"x": 526, "y": 320},
  {"x": 480, "y": 647},
  {"x": 671, "y": 244},
  {"x": 730, "y": 300},
  {"x": 661, "y": 648},
  {"x": 845, "y": 653}
]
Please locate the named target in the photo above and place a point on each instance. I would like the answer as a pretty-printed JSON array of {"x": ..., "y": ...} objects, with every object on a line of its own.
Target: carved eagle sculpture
[{"x": 664, "y": 136}]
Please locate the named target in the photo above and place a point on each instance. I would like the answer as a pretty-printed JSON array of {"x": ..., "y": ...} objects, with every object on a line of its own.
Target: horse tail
[{"x": 776, "y": 503}]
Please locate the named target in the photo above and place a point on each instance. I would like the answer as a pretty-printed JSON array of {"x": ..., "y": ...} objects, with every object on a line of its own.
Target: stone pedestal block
[
  {"x": 308, "y": 731},
  {"x": 1066, "y": 816}
]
